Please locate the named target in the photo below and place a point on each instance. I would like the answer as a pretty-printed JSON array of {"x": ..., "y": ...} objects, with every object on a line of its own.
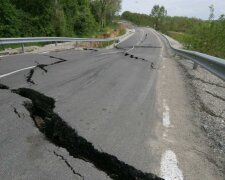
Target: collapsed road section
[{"x": 58, "y": 132}]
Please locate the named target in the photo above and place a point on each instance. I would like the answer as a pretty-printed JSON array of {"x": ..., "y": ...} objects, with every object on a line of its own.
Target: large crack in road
[{"x": 58, "y": 132}]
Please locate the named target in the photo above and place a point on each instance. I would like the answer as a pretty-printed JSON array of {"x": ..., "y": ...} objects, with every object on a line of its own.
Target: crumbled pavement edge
[{"x": 207, "y": 96}]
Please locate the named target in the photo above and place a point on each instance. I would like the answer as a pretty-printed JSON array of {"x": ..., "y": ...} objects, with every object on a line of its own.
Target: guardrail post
[
  {"x": 91, "y": 44},
  {"x": 55, "y": 43},
  {"x": 76, "y": 44},
  {"x": 195, "y": 66},
  {"x": 23, "y": 49}
]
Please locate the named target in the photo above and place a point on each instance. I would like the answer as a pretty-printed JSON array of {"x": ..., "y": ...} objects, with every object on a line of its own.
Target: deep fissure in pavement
[
  {"x": 2, "y": 86},
  {"x": 61, "y": 134}
]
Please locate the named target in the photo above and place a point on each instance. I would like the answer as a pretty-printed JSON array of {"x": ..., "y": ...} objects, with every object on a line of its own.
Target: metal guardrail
[
  {"x": 213, "y": 64},
  {"x": 4, "y": 41},
  {"x": 22, "y": 41},
  {"x": 50, "y": 39}
]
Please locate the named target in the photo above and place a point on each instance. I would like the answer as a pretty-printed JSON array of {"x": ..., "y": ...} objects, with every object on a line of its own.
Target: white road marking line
[
  {"x": 14, "y": 72},
  {"x": 166, "y": 115},
  {"x": 125, "y": 38},
  {"x": 169, "y": 169},
  {"x": 129, "y": 49}
]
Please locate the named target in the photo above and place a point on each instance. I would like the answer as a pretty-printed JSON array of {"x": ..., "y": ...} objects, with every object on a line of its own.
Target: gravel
[{"x": 208, "y": 99}]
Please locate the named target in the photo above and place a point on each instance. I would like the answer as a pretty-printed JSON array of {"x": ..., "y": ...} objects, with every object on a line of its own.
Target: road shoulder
[{"x": 181, "y": 132}]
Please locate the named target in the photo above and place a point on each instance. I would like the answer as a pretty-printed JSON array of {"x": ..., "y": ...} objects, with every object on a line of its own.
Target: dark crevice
[
  {"x": 153, "y": 66},
  {"x": 16, "y": 112},
  {"x": 134, "y": 57},
  {"x": 61, "y": 134},
  {"x": 42, "y": 67},
  {"x": 61, "y": 60},
  {"x": 2, "y": 86},
  {"x": 29, "y": 77},
  {"x": 117, "y": 47},
  {"x": 216, "y": 96},
  {"x": 91, "y": 49},
  {"x": 68, "y": 164}
]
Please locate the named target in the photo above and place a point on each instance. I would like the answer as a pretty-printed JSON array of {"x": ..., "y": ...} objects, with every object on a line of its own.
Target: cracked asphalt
[
  {"x": 97, "y": 93},
  {"x": 93, "y": 114}
]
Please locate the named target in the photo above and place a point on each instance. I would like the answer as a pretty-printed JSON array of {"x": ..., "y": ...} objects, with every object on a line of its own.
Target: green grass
[{"x": 180, "y": 36}]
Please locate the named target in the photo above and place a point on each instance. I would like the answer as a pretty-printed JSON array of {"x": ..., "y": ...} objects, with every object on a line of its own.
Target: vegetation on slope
[{"x": 56, "y": 17}]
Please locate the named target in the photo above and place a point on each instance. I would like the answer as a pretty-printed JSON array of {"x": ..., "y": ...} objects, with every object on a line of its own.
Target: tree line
[
  {"x": 206, "y": 36},
  {"x": 55, "y": 17}
]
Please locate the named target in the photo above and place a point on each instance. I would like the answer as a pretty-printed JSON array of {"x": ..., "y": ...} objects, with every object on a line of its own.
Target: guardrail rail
[
  {"x": 213, "y": 64},
  {"x": 22, "y": 41}
]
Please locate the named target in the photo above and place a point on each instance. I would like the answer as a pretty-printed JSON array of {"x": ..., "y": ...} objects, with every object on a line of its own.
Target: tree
[
  {"x": 9, "y": 23},
  {"x": 104, "y": 9},
  {"x": 211, "y": 15},
  {"x": 158, "y": 13}
]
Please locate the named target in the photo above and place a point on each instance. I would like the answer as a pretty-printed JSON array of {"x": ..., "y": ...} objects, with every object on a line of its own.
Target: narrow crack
[
  {"x": 61, "y": 134},
  {"x": 16, "y": 112},
  {"x": 2, "y": 86},
  {"x": 117, "y": 47},
  {"x": 29, "y": 77},
  {"x": 134, "y": 57},
  {"x": 42, "y": 67},
  {"x": 68, "y": 164},
  {"x": 216, "y": 96},
  {"x": 61, "y": 60},
  {"x": 91, "y": 49},
  {"x": 153, "y": 66}
]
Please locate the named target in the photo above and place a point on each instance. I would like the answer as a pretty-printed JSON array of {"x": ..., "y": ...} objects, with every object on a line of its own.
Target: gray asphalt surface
[{"x": 107, "y": 97}]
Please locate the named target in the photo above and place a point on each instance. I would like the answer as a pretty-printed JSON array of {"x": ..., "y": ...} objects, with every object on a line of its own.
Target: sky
[{"x": 190, "y": 8}]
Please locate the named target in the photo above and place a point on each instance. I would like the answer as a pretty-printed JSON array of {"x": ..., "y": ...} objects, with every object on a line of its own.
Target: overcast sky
[{"x": 190, "y": 8}]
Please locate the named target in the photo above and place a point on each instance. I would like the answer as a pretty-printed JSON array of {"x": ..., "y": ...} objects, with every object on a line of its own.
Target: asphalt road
[{"x": 107, "y": 96}]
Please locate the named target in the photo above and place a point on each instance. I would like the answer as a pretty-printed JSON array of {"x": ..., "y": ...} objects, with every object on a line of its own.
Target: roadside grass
[
  {"x": 182, "y": 37},
  {"x": 191, "y": 42}
]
